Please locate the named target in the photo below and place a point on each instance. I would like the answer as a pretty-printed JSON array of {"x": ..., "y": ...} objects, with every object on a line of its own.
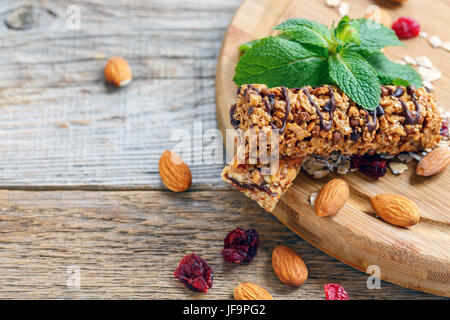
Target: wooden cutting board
[{"x": 417, "y": 257}]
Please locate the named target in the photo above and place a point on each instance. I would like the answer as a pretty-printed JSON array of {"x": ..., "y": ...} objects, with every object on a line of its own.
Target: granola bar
[
  {"x": 266, "y": 190},
  {"x": 323, "y": 119}
]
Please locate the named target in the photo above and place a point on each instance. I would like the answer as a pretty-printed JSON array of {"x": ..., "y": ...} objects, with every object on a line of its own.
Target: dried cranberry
[
  {"x": 195, "y": 273},
  {"x": 335, "y": 292},
  {"x": 406, "y": 28},
  {"x": 240, "y": 245},
  {"x": 371, "y": 165},
  {"x": 444, "y": 128}
]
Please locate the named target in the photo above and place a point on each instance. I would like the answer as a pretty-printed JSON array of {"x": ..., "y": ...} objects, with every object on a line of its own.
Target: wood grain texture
[
  {"x": 417, "y": 257},
  {"x": 62, "y": 126},
  {"x": 127, "y": 245}
]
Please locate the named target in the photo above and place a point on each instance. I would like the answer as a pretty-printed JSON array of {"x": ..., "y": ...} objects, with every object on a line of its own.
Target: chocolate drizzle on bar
[
  {"x": 399, "y": 91},
  {"x": 252, "y": 186},
  {"x": 371, "y": 124},
  {"x": 331, "y": 105},
  {"x": 355, "y": 135},
  {"x": 288, "y": 109},
  {"x": 380, "y": 111},
  {"x": 412, "y": 117},
  {"x": 235, "y": 123}
]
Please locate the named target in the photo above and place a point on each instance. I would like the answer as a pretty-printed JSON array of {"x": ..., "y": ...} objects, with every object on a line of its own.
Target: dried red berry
[
  {"x": 195, "y": 273},
  {"x": 371, "y": 165},
  {"x": 406, "y": 28},
  {"x": 240, "y": 245},
  {"x": 335, "y": 292},
  {"x": 444, "y": 128}
]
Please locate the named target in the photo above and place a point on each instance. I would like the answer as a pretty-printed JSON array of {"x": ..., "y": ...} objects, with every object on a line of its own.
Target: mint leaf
[
  {"x": 348, "y": 31},
  {"x": 393, "y": 73},
  {"x": 375, "y": 36},
  {"x": 399, "y": 82},
  {"x": 276, "y": 62},
  {"x": 306, "y": 31},
  {"x": 356, "y": 78},
  {"x": 247, "y": 45}
]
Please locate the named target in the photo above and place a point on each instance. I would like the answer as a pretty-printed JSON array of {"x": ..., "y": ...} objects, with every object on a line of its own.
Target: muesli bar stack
[{"x": 323, "y": 120}]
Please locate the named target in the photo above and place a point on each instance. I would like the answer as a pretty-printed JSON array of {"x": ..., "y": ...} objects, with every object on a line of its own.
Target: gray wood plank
[
  {"x": 61, "y": 126},
  {"x": 127, "y": 245}
]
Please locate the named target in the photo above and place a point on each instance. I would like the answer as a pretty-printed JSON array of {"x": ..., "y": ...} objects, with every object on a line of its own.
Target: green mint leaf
[
  {"x": 347, "y": 31},
  {"x": 393, "y": 73},
  {"x": 306, "y": 31},
  {"x": 356, "y": 78},
  {"x": 375, "y": 36},
  {"x": 400, "y": 82},
  {"x": 247, "y": 45},
  {"x": 275, "y": 61}
]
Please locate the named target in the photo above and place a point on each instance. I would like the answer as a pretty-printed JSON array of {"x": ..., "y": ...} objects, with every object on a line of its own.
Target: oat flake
[
  {"x": 332, "y": 3},
  {"x": 312, "y": 198},
  {"x": 427, "y": 84},
  {"x": 435, "y": 42},
  {"x": 344, "y": 8},
  {"x": 397, "y": 167},
  {"x": 424, "y": 62},
  {"x": 429, "y": 74},
  {"x": 446, "y": 45},
  {"x": 409, "y": 60}
]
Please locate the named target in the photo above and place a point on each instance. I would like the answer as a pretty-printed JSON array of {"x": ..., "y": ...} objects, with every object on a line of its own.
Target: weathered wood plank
[
  {"x": 127, "y": 245},
  {"x": 60, "y": 125}
]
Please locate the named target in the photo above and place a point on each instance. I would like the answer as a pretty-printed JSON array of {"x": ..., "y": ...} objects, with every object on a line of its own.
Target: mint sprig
[{"x": 309, "y": 53}]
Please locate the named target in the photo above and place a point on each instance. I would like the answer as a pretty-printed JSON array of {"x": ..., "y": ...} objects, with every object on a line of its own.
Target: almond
[
  {"x": 251, "y": 291},
  {"x": 379, "y": 15},
  {"x": 331, "y": 197},
  {"x": 396, "y": 210},
  {"x": 434, "y": 162},
  {"x": 174, "y": 172},
  {"x": 289, "y": 266},
  {"x": 118, "y": 72}
]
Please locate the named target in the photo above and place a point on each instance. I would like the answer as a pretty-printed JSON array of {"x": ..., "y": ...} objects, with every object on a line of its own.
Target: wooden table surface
[{"x": 80, "y": 189}]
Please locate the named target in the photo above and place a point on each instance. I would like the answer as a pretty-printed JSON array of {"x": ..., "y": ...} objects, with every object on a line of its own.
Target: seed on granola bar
[
  {"x": 337, "y": 136},
  {"x": 304, "y": 116}
]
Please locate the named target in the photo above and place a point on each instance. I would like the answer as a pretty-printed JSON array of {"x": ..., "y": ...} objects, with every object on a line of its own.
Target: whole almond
[
  {"x": 396, "y": 210},
  {"x": 174, "y": 172},
  {"x": 434, "y": 162},
  {"x": 331, "y": 197},
  {"x": 289, "y": 266},
  {"x": 118, "y": 72},
  {"x": 251, "y": 291}
]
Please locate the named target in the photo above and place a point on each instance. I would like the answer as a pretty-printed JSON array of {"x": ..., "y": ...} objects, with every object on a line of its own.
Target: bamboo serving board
[{"x": 417, "y": 257}]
